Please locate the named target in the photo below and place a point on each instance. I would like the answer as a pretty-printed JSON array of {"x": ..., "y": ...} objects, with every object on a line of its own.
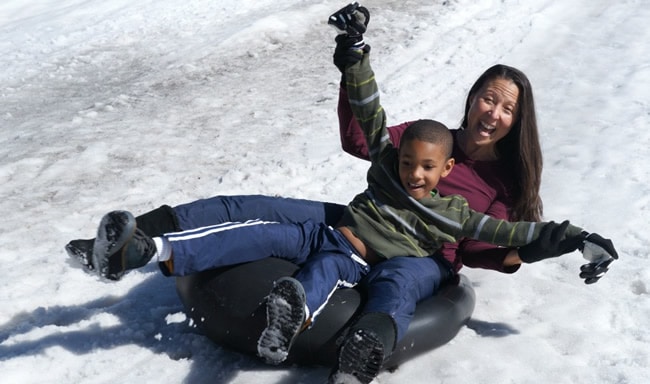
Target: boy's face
[{"x": 421, "y": 165}]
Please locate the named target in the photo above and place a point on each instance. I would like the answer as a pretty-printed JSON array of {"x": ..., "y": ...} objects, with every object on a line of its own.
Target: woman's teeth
[{"x": 488, "y": 128}]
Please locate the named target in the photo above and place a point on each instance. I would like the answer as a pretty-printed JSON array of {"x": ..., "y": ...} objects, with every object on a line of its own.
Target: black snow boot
[
  {"x": 285, "y": 318},
  {"x": 120, "y": 246},
  {"x": 364, "y": 349},
  {"x": 82, "y": 251},
  {"x": 154, "y": 223},
  {"x": 158, "y": 222}
]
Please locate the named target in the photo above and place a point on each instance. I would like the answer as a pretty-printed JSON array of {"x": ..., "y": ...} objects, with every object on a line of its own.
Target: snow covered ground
[{"x": 121, "y": 104}]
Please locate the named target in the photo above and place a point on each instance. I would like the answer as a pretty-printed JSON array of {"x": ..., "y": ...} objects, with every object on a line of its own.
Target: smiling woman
[{"x": 492, "y": 112}]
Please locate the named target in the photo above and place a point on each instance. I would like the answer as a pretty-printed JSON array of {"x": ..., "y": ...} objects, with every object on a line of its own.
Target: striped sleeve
[
  {"x": 363, "y": 94},
  {"x": 509, "y": 234}
]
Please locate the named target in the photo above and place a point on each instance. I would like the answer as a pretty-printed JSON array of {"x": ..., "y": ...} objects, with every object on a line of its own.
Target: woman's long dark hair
[{"x": 520, "y": 147}]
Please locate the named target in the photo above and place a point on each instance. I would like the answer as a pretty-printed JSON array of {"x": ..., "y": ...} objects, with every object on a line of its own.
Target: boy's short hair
[{"x": 430, "y": 131}]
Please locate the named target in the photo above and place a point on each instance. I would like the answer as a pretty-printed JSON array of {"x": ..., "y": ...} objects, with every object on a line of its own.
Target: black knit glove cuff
[{"x": 550, "y": 243}]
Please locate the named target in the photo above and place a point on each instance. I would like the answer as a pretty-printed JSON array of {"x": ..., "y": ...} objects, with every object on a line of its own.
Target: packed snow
[{"x": 121, "y": 104}]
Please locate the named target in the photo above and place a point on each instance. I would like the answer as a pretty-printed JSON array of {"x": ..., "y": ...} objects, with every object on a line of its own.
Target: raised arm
[
  {"x": 349, "y": 50},
  {"x": 352, "y": 139},
  {"x": 363, "y": 95}
]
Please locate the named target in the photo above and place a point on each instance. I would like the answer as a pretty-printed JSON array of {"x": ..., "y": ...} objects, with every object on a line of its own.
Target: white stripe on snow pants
[{"x": 328, "y": 257}]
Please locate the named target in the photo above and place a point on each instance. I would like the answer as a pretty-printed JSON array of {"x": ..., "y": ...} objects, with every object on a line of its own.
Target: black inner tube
[{"x": 228, "y": 305}]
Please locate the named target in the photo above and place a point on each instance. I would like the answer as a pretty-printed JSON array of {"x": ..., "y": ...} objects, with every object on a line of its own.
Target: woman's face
[{"x": 493, "y": 112}]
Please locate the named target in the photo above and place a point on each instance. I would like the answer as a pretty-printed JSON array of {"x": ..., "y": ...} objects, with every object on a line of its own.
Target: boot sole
[
  {"x": 115, "y": 229},
  {"x": 360, "y": 359},
  {"x": 285, "y": 315}
]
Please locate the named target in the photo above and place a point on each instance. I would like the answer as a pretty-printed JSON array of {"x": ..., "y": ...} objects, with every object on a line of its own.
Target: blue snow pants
[
  {"x": 222, "y": 209},
  {"x": 329, "y": 259},
  {"x": 393, "y": 286}
]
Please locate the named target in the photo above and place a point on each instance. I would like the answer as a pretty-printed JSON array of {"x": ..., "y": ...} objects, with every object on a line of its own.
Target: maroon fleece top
[{"x": 486, "y": 185}]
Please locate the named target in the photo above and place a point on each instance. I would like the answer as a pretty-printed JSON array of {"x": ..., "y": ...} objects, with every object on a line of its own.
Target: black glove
[
  {"x": 596, "y": 247},
  {"x": 592, "y": 272},
  {"x": 550, "y": 243},
  {"x": 600, "y": 253},
  {"x": 349, "y": 50},
  {"x": 351, "y": 19},
  {"x": 351, "y": 22}
]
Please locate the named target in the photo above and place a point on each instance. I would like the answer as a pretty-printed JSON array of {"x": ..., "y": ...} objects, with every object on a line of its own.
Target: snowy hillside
[{"x": 121, "y": 104}]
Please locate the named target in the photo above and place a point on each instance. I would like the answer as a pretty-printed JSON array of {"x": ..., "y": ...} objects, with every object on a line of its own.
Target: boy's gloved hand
[
  {"x": 351, "y": 22},
  {"x": 596, "y": 247},
  {"x": 600, "y": 253},
  {"x": 592, "y": 272},
  {"x": 351, "y": 19},
  {"x": 550, "y": 243},
  {"x": 349, "y": 50}
]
